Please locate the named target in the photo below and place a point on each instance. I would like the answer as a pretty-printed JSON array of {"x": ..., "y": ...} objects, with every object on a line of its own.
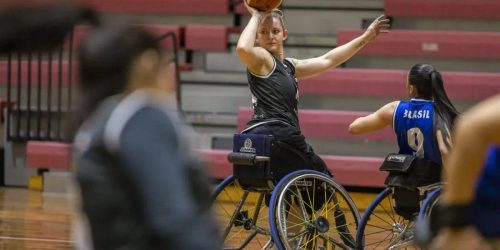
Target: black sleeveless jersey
[{"x": 276, "y": 95}]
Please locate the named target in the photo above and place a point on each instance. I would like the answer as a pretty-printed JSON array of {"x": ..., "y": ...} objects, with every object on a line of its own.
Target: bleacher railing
[
  {"x": 42, "y": 97},
  {"x": 175, "y": 60},
  {"x": 41, "y": 100}
]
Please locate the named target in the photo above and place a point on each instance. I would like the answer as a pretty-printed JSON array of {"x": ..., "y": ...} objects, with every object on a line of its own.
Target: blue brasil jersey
[
  {"x": 487, "y": 203},
  {"x": 414, "y": 127}
]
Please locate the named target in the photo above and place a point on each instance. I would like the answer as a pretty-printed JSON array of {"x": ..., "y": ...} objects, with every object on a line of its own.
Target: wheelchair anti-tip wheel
[
  {"x": 242, "y": 217},
  {"x": 311, "y": 211},
  {"x": 382, "y": 228}
]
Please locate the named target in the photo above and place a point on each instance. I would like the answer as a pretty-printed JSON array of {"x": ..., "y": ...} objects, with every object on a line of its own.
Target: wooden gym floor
[
  {"x": 35, "y": 220},
  {"x": 41, "y": 221}
]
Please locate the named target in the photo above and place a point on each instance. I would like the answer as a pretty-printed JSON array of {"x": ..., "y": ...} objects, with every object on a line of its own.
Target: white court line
[{"x": 35, "y": 239}]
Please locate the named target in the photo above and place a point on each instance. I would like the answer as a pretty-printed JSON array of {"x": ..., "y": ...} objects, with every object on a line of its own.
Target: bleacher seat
[
  {"x": 324, "y": 4},
  {"x": 391, "y": 83},
  {"x": 81, "y": 31},
  {"x": 34, "y": 73},
  {"x": 429, "y": 44},
  {"x": 162, "y": 6},
  {"x": 218, "y": 165},
  {"x": 325, "y": 124},
  {"x": 48, "y": 155},
  {"x": 240, "y": 9},
  {"x": 463, "y": 9},
  {"x": 347, "y": 170},
  {"x": 206, "y": 37},
  {"x": 161, "y": 29}
]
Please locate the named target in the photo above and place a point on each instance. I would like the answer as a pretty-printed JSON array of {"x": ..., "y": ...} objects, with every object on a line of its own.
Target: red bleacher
[
  {"x": 55, "y": 72},
  {"x": 463, "y": 9},
  {"x": 347, "y": 170},
  {"x": 48, "y": 155},
  {"x": 34, "y": 73},
  {"x": 325, "y": 123},
  {"x": 206, "y": 37},
  {"x": 157, "y": 29},
  {"x": 161, "y": 6},
  {"x": 240, "y": 9},
  {"x": 391, "y": 83},
  {"x": 443, "y": 44},
  {"x": 196, "y": 37},
  {"x": 218, "y": 165},
  {"x": 161, "y": 29}
]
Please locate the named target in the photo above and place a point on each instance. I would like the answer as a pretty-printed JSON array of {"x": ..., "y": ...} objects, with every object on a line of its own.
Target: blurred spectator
[
  {"x": 470, "y": 211},
  {"x": 141, "y": 185}
]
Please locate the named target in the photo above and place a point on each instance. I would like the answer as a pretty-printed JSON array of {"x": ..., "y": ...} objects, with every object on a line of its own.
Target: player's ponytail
[
  {"x": 443, "y": 104},
  {"x": 429, "y": 84}
]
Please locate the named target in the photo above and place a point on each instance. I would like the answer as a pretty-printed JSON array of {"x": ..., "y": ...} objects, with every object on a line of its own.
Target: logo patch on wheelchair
[
  {"x": 396, "y": 158},
  {"x": 247, "y": 147}
]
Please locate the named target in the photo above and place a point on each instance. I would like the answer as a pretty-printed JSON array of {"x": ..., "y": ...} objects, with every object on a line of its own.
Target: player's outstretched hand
[{"x": 379, "y": 25}]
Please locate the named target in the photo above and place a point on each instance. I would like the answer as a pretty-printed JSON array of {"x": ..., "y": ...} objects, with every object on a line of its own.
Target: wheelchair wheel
[
  {"x": 425, "y": 229},
  {"x": 382, "y": 228},
  {"x": 429, "y": 203},
  {"x": 242, "y": 217},
  {"x": 311, "y": 211}
]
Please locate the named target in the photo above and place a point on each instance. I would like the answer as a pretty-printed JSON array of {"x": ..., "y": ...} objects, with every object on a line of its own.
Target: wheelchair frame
[
  {"x": 245, "y": 216},
  {"x": 400, "y": 230}
]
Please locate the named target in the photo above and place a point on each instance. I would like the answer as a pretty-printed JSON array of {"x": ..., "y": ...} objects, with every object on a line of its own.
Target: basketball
[{"x": 264, "y": 5}]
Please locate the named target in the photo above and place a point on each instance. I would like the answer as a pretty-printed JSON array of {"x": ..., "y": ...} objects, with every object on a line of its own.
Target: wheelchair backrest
[
  {"x": 410, "y": 171},
  {"x": 252, "y": 144},
  {"x": 250, "y": 173},
  {"x": 406, "y": 174}
]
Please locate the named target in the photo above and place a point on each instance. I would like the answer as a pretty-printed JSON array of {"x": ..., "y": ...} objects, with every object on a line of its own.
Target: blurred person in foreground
[
  {"x": 469, "y": 211},
  {"x": 40, "y": 25},
  {"x": 141, "y": 186}
]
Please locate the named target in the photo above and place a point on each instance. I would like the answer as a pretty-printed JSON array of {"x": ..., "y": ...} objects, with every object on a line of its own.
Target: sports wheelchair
[
  {"x": 264, "y": 206},
  {"x": 389, "y": 222}
]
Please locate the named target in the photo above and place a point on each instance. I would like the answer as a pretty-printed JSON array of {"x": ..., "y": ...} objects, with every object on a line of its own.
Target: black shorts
[{"x": 291, "y": 152}]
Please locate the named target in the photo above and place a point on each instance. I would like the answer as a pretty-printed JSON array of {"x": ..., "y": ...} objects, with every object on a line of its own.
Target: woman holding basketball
[{"x": 273, "y": 81}]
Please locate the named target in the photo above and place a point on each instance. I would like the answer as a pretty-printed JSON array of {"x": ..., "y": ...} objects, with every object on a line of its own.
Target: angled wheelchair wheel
[
  {"x": 242, "y": 217},
  {"x": 308, "y": 210},
  {"x": 382, "y": 228},
  {"x": 426, "y": 229},
  {"x": 429, "y": 203}
]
